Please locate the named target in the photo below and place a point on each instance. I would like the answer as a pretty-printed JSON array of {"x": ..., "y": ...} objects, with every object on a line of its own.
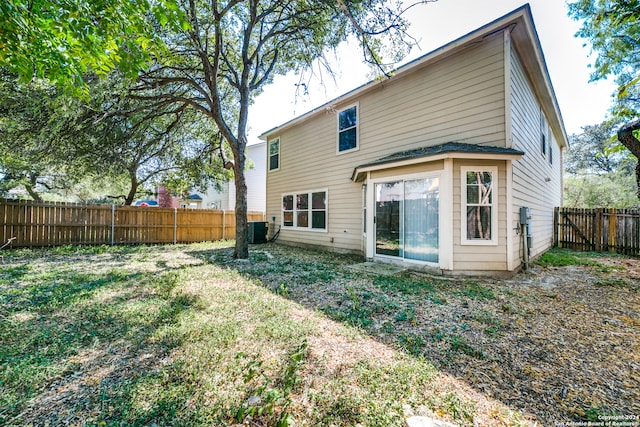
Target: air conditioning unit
[{"x": 257, "y": 232}]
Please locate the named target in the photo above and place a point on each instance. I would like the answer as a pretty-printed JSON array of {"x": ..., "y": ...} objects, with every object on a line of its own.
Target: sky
[{"x": 435, "y": 24}]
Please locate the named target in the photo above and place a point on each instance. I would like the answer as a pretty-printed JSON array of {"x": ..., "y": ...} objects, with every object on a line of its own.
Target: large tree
[
  {"x": 55, "y": 143},
  {"x": 148, "y": 146},
  {"x": 613, "y": 29},
  {"x": 233, "y": 48},
  {"x": 35, "y": 135},
  {"x": 213, "y": 56},
  {"x": 596, "y": 151},
  {"x": 599, "y": 171}
]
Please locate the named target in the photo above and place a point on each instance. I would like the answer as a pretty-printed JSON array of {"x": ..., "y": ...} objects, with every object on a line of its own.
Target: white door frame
[{"x": 445, "y": 216}]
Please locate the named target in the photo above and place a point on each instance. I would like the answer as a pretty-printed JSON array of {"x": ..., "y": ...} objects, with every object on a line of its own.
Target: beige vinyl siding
[
  {"x": 480, "y": 257},
  {"x": 457, "y": 98},
  {"x": 536, "y": 183},
  {"x": 408, "y": 170},
  {"x": 460, "y": 98},
  {"x": 302, "y": 168}
]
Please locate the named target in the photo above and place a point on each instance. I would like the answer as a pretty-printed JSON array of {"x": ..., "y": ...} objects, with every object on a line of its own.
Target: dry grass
[{"x": 184, "y": 335}]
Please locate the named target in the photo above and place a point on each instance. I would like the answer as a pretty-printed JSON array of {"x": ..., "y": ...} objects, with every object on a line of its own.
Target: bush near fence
[
  {"x": 53, "y": 224},
  {"x": 598, "y": 230}
]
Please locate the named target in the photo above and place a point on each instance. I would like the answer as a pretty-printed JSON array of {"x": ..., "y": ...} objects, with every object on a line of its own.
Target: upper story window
[
  {"x": 479, "y": 204},
  {"x": 546, "y": 141},
  {"x": 348, "y": 129},
  {"x": 550, "y": 144},
  {"x": 543, "y": 134},
  {"x": 274, "y": 154}
]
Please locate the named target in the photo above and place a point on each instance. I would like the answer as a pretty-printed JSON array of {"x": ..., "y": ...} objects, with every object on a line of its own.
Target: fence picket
[
  {"x": 606, "y": 230},
  {"x": 55, "y": 224}
]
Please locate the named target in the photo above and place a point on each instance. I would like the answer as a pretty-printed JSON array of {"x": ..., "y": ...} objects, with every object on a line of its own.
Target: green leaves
[
  {"x": 599, "y": 169},
  {"x": 613, "y": 29},
  {"x": 61, "y": 40},
  {"x": 57, "y": 144},
  {"x": 34, "y": 122}
]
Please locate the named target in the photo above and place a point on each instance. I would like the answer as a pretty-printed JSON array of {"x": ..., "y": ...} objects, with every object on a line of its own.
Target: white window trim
[
  {"x": 269, "y": 154},
  {"x": 544, "y": 133},
  {"x": 357, "y": 147},
  {"x": 550, "y": 143},
  {"x": 440, "y": 174},
  {"x": 463, "y": 206},
  {"x": 295, "y": 217}
]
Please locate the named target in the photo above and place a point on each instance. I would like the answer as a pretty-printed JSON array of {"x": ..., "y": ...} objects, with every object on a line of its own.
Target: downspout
[{"x": 525, "y": 245}]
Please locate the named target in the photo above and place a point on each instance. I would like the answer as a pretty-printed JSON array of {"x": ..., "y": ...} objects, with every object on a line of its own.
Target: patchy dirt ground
[
  {"x": 569, "y": 342},
  {"x": 555, "y": 344}
]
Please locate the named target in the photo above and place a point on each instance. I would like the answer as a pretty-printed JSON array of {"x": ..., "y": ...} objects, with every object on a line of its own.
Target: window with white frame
[
  {"x": 479, "y": 205},
  {"x": 305, "y": 210},
  {"x": 550, "y": 143},
  {"x": 348, "y": 129},
  {"x": 287, "y": 210},
  {"x": 274, "y": 154}
]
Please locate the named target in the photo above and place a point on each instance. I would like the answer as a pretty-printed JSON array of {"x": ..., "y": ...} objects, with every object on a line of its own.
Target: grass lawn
[{"x": 185, "y": 335}]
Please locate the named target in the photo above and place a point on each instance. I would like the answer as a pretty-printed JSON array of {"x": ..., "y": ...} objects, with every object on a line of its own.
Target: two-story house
[{"x": 430, "y": 167}]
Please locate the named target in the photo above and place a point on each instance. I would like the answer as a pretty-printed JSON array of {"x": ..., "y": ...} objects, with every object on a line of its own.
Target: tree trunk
[
  {"x": 242, "y": 230},
  {"x": 33, "y": 193},
  {"x": 626, "y": 138},
  {"x": 31, "y": 189},
  {"x": 132, "y": 191}
]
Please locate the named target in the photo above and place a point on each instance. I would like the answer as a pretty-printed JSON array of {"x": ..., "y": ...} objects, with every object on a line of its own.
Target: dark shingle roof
[{"x": 448, "y": 147}]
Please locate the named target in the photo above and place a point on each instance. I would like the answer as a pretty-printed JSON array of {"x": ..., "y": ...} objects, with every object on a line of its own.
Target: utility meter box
[{"x": 525, "y": 215}]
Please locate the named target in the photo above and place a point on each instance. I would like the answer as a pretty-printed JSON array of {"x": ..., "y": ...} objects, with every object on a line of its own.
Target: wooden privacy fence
[
  {"x": 599, "y": 230},
  {"x": 55, "y": 224}
]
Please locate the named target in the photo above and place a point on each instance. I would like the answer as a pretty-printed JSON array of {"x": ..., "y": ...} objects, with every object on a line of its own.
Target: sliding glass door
[
  {"x": 407, "y": 218},
  {"x": 388, "y": 205}
]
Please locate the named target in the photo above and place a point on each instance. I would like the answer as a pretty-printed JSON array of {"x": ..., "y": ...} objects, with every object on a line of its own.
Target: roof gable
[{"x": 525, "y": 41}]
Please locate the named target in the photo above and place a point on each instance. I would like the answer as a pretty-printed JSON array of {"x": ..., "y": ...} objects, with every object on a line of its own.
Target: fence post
[
  {"x": 613, "y": 232},
  {"x": 556, "y": 226},
  {"x": 113, "y": 224},
  {"x": 598, "y": 230},
  {"x": 561, "y": 227},
  {"x": 224, "y": 222},
  {"x": 175, "y": 225}
]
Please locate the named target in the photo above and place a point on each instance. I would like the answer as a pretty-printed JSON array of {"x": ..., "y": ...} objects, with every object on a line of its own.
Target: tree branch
[{"x": 628, "y": 139}]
